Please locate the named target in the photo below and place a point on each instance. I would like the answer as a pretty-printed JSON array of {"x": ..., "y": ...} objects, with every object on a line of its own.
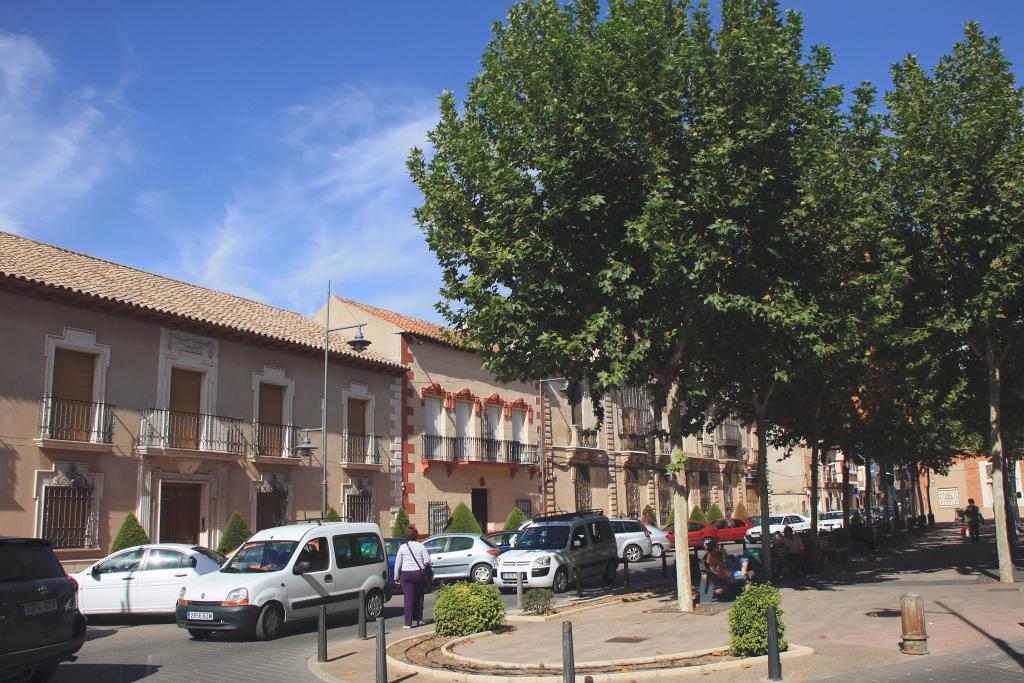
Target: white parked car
[
  {"x": 632, "y": 539},
  {"x": 831, "y": 520},
  {"x": 776, "y": 524},
  {"x": 660, "y": 542},
  {"x": 143, "y": 579},
  {"x": 284, "y": 574}
]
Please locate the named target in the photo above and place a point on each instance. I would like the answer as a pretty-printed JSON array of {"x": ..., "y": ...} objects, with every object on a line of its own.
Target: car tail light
[
  {"x": 72, "y": 603},
  {"x": 494, "y": 551}
]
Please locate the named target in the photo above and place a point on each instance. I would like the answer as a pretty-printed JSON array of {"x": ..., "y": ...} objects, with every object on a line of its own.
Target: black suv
[{"x": 40, "y": 625}]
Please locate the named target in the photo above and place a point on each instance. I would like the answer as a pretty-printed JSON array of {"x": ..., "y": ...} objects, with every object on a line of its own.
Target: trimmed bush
[
  {"x": 538, "y": 601},
  {"x": 401, "y": 524},
  {"x": 332, "y": 515},
  {"x": 649, "y": 516},
  {"x": 130, "y": 534},
  {"x": 235, "y": 534},
  {"x": 715, "y": 513},
  {"x": 464, "y": 608},
  {"x": 740, "y": 511},
  {"x": 514, "y": 520},
  {"x": 748, "y": 621},
  {"x": 463, "y": 521},
  {"x": 697, "y": 515}
]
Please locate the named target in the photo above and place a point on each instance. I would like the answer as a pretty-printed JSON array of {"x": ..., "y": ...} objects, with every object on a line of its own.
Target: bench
[{"x": 709, "y": 582}]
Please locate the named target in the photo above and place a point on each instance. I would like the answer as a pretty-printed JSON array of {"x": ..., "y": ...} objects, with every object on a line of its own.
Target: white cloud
[
  {"x": 336, "y": 204},
  {"x": 57, "y": 146}
]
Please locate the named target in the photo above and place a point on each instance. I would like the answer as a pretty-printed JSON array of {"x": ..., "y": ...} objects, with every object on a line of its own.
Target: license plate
[
  {"x": 199, "y": 616},
  {"x": 39, "y": 607},
  {"x": 508, "y": 576}
]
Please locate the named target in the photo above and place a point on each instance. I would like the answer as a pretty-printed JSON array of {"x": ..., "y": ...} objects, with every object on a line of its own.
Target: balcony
[
  {"x": 584, "y": 438},
  {"x": 362, "y": 450},
  {"x": 273, "y": 443},
  {"x": 75, "y": 425},
  {"x": 474, "y": 449},
  {"x": 633, "y": 442},
  {"x": 170, "y": 432}
]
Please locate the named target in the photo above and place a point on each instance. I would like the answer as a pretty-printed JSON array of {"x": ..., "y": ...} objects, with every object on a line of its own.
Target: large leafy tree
[{"x": 957, "y": 174}]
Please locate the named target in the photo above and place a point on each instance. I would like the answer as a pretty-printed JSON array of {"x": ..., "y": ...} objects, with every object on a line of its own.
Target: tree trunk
[
  {"x": 814, "y": 502},
  {"x": 931, "y": 515},
  {"x": 917, "y": 483},
  {"x": 760, "y": 428},
  {"x": 867, "y": 491},
  {"x": 912, "y": 493},
  {"x": 998, "y": 499},
  {"x": 846, "y": 498},
  {"x": 1009, "y": 490},
  {"x": 681, "y": 511}
]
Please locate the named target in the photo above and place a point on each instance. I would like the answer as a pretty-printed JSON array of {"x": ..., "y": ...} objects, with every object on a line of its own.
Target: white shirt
[{"x": 408, "y": 554}]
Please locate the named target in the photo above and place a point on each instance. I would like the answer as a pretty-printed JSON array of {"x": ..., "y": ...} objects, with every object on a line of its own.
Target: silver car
[
  {"x": 456, "y": 557},
  {"x": 632, "y": 539},
  {"x": 660, "y": 542}
]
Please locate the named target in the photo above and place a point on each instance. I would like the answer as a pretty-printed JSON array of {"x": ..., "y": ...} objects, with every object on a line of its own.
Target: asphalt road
[{"x": 123, "y": 650}]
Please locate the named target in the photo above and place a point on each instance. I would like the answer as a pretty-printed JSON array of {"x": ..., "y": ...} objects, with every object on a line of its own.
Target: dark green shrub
[
  {"x": 464, "y": 608},
  {"x": 514, "y": 520},
  {"x": 463, "y": 521},
  {"x": 538, "y": 601},
  {"x": 697, "y": 515},
  {"x": 130, "y": 534},
  {"x": 648, "y": 516},
  {"x": 740, "y": 511},
  {"x": 714, "y": 513},
  {"x": 401, "y": 524},
  {"x": 332, "y": 515},
  {"x": 748, "y": 621},
  {"x": 235, "y": 534}
]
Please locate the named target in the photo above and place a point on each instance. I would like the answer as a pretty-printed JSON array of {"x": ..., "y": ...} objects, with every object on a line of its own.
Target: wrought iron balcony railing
[
  {"x": 163, "y": 428},
  {"x": 362, "y": 448},
  {"x": 584, "y": 438},
  {"x": 476, "y": 449},
  {"x": 633, "y": 442},
  {"x": 64, "y": 419},
  {"x": 273, "y": 440}
]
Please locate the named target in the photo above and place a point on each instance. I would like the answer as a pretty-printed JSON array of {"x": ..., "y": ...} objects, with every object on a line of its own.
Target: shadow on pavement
[
  {"x": 97, "y": 633},
  {"x": 122, "y": 673},
  {"x": 998, "y": 642}
]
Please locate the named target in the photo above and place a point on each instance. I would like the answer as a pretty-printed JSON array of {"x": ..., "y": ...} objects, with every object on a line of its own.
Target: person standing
[
  {"x": 412, "y": 569},
  {"x": 973, "y": 514}
]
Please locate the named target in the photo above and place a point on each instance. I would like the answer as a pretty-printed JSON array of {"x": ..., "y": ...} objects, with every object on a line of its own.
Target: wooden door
[
  {"x": 72, "y": 411},
  {"x": 269, "y": 509},
  {"x": 479, "y": 500},
  {"x": 271, "y": 437},
  {"x": 179, "y": 513},
  {"x": 184, "y": 418}
]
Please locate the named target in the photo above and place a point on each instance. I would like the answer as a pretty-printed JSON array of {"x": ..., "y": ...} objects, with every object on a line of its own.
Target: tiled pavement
[{"x": 999, "y": 664}]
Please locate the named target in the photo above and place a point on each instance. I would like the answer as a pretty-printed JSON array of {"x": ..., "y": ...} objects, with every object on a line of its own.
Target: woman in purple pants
[{"x": 410, "y": 564}]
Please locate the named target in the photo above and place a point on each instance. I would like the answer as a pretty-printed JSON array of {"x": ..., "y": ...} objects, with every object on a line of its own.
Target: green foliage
[
  {"x": 697, "y": 515},
  {"x": 714, "y": 513},
  {"x": 401, "y": 524},
  {"x": 235, "y": 534},
  {"x": 748, "y": 621},
  {"x": 514, "y": 520},
  {"x": 464, "y": 608},
  {"x": 649, "y": 516},
  {"x": 463, "y": 521},
  {"x": 740, "y": 511},
  {"x": 130, "y": 534},
  {"x": 538, "y": 601},
  {"x": 332, "y": 515}
]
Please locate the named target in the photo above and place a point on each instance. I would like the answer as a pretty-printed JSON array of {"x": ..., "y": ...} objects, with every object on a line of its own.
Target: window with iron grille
[
  {"x": 664, "y": 495},
  {"x": 438, "y": 515},
  {"x": 525, "y": 506},
  {"x": 358, "y": 508},
  {"x": 67, "y": 516},
  {"x": 727, "y": 492},
  {"x": 632, "y": 493},
  {"x": 705, "y": 490},
  {"x": 581, "y": 484}
]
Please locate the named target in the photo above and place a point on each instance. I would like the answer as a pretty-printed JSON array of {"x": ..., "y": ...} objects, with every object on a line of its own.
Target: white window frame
[
  {"x": 361, "y": 392},
  {"x": 44, "y": 478},
  {"x": 84, "y": 341},
  {"x": 275, "y": 376}
]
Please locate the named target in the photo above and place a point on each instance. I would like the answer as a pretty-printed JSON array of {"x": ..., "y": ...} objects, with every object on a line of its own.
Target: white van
[{"x": 284, "y": 574}]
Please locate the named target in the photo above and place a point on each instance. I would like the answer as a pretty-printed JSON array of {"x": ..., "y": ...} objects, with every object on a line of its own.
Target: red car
[
  {"x": 697, "y": 532},
  {"x": 731, "y": 529}
]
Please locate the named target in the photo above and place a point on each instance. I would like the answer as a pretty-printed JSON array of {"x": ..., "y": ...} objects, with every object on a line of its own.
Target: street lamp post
[{"x": 358, "y": 343}]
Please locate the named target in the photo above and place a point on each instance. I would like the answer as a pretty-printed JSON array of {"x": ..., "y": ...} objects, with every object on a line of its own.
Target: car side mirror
[
  {"x": 302, "y": 567},
  {"x": 576, "y": 543},
  {"x": 95, "y": 571}
]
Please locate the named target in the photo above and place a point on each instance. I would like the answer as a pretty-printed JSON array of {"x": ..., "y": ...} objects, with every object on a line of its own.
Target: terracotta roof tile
[
  {"x": 51, "y": 266},
  {"x": 409, "y": 324}
]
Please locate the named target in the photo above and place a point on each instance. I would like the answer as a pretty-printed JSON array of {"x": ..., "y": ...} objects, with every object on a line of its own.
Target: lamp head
[
  {"x": 359, "y": 343},
  {"x": 304, "y": 447}
]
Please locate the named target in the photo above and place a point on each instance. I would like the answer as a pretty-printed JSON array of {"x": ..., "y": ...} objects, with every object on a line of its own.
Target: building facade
[
  {"x": 967, "y": 478},
  {"x": 122, "y": 391},
  {"x": 467, "y": 438}
]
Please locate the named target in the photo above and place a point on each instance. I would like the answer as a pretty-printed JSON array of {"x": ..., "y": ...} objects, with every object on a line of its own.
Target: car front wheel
[
  {"x": 561, "y": 581},
  {"x": 632, "y": 553},
  {"x": 374, "y": 604},
  {"x": 482, "y": 573},
  {"x": 268, "y": 625}
]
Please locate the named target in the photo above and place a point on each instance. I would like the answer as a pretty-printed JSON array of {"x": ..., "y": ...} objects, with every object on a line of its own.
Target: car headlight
[
  {"x": 239, "y": 596},
  {"x": 542, "y": 561},
  {"x": 181, "y": 597}
]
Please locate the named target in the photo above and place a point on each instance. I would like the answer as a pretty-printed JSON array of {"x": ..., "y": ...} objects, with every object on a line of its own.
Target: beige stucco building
[
  {"x": 123, "y": 391},
  {"x": 467, "y": 438}
]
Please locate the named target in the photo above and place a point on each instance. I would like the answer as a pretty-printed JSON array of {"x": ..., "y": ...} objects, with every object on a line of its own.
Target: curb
[
  {"x": 585, "y": 604},
  {"x": 668, "y": 674}
]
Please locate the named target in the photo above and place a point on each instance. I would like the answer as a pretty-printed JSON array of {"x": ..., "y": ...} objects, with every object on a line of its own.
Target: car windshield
[
  {"x": 261, "y": 557},
  {"x": 543, "y": 538},
  {"x": 832, "y": 515},
  {"x": 28, "y": 561}
]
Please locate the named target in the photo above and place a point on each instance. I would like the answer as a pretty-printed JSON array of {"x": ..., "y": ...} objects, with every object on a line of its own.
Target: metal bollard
[
  {"x": 579, "y": 581},
  {"x": 362, "y": 615},
  {"x": 568, "y": 661},
  {"x": 321, "y": 635},
  {"x": 915, "y": 637},
  {"x": 625, "y": 571},
  {"x": 519, "y": 590},
  {"x": 382, "y": 652},
  {"x": 664, "y": 564},
  {"x": 774, "y": 662}
]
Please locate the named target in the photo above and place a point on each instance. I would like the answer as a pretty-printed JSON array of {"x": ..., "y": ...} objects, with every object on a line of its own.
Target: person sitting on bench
[
  {"x": 725, "y": 567},
  {"x": 792, "y": 547}
]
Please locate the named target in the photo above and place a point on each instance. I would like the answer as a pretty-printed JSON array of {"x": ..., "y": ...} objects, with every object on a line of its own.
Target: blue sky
[{"x": 259, "y": 147}]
